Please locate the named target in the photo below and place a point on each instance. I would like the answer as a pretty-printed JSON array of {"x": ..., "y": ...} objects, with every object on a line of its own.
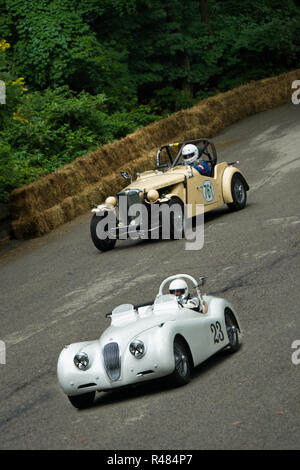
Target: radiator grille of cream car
[
  {"x": 131, "y": 197},
  {"x": 111, "y": 354}
]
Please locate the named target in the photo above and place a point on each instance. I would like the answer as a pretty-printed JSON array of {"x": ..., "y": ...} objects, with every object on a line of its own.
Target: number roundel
[{"x": 208, "y": 191}]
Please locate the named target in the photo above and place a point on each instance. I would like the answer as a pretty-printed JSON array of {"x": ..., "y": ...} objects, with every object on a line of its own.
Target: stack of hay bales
[{"x": 59, "y": 197}]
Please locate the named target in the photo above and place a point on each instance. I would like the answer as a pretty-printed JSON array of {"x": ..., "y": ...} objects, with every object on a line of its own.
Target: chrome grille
[
  {"x": 132, "y": 197},
  {"x": 111, "y": 354}
]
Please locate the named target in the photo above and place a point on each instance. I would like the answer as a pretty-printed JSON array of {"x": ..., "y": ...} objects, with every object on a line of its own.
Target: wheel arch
[
  {"x": 177, "y": 192},
  {"x": 170, "y": 197},
  {"x": 229, "y": 310},
  {"x": 228, "y": 174},
  {"x": 103, "y": 209},
  {"x": 187, "y": 347}
]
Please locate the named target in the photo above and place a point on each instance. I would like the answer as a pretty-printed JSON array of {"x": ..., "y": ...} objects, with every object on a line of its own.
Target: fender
[
  {"x": 226, "y": 182},
  {"x": 165, "y": 198},
  {"x": 217, "y": 304},
  {"x": 170, "y": 196},
  {"x": 162, "y": 336},
  {"x": 69, "y": 377},
  {"x": 104, "y": 207}
]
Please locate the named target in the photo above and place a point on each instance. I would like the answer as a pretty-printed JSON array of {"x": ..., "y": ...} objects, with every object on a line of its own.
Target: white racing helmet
[
  {"x": 190, "y": 153},
  {"x": 179, "y": 288}
]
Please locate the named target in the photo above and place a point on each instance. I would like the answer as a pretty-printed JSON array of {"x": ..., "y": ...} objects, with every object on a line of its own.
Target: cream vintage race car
[
  {"x": 172, "y": 185},
  {"x": 149, "y": 341}
]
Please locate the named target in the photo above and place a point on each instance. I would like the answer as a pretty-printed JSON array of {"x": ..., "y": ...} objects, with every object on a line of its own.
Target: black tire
[
  {"x": 82, "y": 401},
  {"x": 232, "y": 329},
  {"x": 101, "y": 244},
  {"x": 176, "y": 220},
  {"x": 182, "y": 372},
  {"x": 239, "y": 193}
]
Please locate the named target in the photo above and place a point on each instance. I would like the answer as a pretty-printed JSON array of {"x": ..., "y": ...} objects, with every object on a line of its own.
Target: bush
[
  {"x": 99, "y": 70},
  {"x": 51, "y": 128}
]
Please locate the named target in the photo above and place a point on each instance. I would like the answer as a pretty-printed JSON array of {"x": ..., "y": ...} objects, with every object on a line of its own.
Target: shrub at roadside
[{"x": 44, "y": 130}]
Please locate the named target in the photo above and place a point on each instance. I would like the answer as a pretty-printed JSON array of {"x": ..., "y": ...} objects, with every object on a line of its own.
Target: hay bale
[{"x": 54, "y": 199}]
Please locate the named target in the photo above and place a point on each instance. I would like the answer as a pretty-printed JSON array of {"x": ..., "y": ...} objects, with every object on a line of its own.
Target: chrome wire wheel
[
  {"x": 239, "y": 193},
  {"x": 182, "y": 370},
  {"x": 181, "y": 361}
]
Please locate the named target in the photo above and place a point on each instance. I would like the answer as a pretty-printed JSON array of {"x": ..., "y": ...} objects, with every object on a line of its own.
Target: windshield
[
  {"x": 123, "y": 308},
  {"x": 123, "y": 314},
  {"x": 165, "y": 298}
]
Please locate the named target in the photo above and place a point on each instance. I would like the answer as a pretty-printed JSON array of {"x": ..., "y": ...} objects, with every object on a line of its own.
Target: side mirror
[
  {"x": 125, "y": 175},
  {"x": 202, "y": 280}
]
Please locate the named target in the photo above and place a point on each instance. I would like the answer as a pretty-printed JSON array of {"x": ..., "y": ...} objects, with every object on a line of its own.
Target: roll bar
[
  {"x": 206, "y": 143},
  {"x": 185, "y": 276}
]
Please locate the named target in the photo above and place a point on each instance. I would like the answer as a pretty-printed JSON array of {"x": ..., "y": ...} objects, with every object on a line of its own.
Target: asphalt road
[{"x": 56, "y": 289}]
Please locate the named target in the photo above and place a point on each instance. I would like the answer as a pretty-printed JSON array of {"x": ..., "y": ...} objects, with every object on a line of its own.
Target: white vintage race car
[{"x": 144, "y": 342}]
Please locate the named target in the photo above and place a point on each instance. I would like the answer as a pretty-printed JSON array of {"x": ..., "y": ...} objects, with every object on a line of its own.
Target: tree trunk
[
  {"x": 186, "y": 86},
  {"x": 204, "y": 14},
  {"x": 204, "y": 11},
  {"x": 183, "y": 60}
]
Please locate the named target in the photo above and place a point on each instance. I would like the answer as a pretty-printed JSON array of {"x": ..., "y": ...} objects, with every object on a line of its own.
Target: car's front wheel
[
  {"x": 99, "y": 232},
  {"x": 182, "y": 371},
  {"x": 238, "y": 192},
  {"x": 232, "y": 330},
  {"x": 82, "y": 401}
]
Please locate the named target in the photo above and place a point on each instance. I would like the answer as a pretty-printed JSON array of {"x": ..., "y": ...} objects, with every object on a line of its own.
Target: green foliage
[
  {"x": 56, "y": 126},
  {"x": 99, "y": 70},
  {"x": 54, "y": 44},
  {"x": 261, "y": 39}
]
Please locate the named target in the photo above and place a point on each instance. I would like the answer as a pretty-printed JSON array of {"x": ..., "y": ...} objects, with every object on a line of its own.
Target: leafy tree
[{"x": 80, "y": 73}]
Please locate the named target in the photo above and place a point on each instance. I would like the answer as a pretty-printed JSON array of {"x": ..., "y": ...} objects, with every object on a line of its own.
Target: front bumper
[
  {"x": 132, "y": 371},
  {"x": 122, "y": 232}
]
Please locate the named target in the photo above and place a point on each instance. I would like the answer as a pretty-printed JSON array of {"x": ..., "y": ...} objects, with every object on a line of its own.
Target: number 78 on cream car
[{"x": 164, "y": 337}]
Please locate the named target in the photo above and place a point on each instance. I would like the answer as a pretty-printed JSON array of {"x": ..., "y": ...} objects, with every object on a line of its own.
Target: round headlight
[
  {"x": 137, "y": 348},
  {"x": 81, "y": 360},
  {"x": 152, "y": 195}
]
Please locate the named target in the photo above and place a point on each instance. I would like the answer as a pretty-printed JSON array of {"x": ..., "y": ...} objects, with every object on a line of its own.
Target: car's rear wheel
[
  {"x": 238, "y": 192},
  {"x": 103, "y": 240},
  {"x": 182, "y": 371},
  {"x": 232, "y": 330},
  {"x": 82, "y": 401}
]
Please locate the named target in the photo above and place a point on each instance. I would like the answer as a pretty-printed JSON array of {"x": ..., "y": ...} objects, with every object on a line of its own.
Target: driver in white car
[
  {"x": 191, "y": 154},
  {"x": 179, "y": 288}
]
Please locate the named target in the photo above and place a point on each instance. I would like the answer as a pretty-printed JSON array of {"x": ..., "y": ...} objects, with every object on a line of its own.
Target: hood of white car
[{"x": 123, "y": 333}]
